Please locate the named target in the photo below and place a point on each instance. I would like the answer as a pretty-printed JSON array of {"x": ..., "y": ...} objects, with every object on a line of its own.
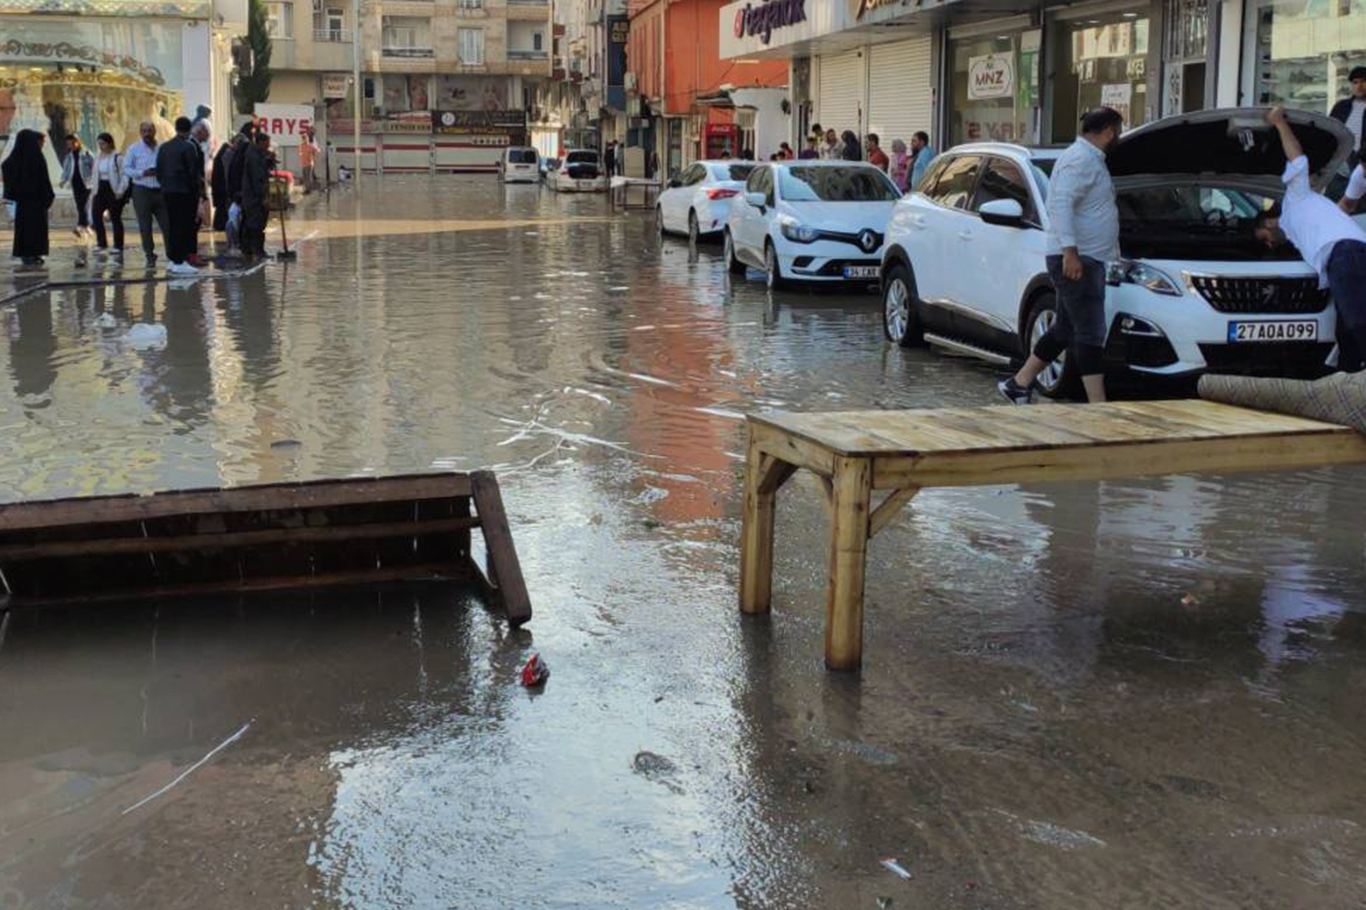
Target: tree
[{"x": 253, "y": 86}]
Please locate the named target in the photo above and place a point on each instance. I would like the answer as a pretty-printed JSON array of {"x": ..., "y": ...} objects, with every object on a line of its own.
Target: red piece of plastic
[{"x": 534, "y": 671}]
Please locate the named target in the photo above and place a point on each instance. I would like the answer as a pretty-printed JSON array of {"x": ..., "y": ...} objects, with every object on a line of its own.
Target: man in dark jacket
[
  {"x": 1352, "y": 112},
  {"x": 257, "y": 164},
  {"x": 180, "y": 171}
]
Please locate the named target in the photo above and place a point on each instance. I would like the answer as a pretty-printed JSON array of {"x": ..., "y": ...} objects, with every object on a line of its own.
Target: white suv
[
  {"x": 964, "y": 265},
  {"x": 811, "y": 221}
]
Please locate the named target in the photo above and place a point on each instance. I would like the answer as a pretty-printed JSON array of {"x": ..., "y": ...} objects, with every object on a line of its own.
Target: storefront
[
  {"x": 993, "y": 91},
  {"x": 1298, "y": 54}
]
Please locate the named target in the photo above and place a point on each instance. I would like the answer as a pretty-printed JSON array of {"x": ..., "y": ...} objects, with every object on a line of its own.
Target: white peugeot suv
[
  {"x": 1195, "y": 291},
  {"x": 811, "y": 221}
]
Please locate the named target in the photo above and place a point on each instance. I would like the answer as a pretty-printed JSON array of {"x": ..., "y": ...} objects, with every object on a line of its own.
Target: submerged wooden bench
[
  {"x": 858, "y": 452},
  {"x": 256, "y": 538}
]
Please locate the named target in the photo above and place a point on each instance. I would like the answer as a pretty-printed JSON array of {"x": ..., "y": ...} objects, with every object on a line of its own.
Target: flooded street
[{"x": 1144, "y": 693}]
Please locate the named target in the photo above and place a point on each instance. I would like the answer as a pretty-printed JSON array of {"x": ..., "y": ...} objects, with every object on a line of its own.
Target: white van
[{"x": 520, "y": 164}]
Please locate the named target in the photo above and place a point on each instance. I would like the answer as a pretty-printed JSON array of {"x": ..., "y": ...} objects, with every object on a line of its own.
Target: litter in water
[
  {"x": 534, "y": 671},
  {"x": 893, "y": 865}
]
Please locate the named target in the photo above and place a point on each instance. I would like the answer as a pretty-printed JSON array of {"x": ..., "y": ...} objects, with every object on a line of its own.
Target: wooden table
[{"x": 858, "y": 452}]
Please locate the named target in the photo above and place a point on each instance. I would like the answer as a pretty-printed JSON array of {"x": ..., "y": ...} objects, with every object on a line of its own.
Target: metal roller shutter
[
  {"x": 840, "y": 102},
  {"x": 900, "y": 89}
]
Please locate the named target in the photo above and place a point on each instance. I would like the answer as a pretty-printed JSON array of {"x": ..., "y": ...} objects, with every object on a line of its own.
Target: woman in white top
[{"x": 111, "y": 194}]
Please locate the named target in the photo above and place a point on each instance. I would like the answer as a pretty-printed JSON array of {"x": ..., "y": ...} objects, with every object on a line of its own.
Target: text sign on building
[
  {"x": 335, "y": 85},
  {"x": 761, "y": 19},
  {"x": 486, "y": 122},
  {"x": 990, "y": 76},
  {"x": 284, "y": 122}
]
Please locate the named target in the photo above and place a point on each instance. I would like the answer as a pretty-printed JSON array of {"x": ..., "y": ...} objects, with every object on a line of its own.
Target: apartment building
[{"x": 445, "y": 84}]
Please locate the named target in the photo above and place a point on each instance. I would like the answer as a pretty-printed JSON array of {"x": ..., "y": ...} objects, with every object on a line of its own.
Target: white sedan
[
  {"x": 811, "y": 221},
  {"x": 580, "y": 172},
  {"x": 697, "y": 201}
]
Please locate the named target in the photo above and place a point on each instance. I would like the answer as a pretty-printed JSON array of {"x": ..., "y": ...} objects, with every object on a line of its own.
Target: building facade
[
  {"x": 445, "y": 85},
  {"x": 85, "y": 68},
  {"x": 962, "y": 71}
]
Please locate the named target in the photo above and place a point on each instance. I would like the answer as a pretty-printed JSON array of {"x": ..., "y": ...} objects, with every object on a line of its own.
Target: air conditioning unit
[{"x": 629, "y": 80}]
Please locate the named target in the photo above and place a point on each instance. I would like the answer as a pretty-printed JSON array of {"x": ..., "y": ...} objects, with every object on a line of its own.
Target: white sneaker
[{"x": 182, "y": 268}]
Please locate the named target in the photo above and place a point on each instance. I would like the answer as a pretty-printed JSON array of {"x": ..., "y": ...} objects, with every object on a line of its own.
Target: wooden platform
[
  {"x": 256, "y": 538},
  {"x": 858, "y": 452}
]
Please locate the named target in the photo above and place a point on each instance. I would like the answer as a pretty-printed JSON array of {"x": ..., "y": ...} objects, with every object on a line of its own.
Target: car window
[
  {"x": 522, "y": 156},
  {"x": 582, "y": 158},
  {"x": 1002, "y": 179},
  {"x": 694, "y": 175},
  {"x": 927, "y": 179},
  {"x": 736, "y": 172},
  {"x": 755, "y": 182},
  {"x": 836, "y": 184},
  {"x": 954, "y": 187}
]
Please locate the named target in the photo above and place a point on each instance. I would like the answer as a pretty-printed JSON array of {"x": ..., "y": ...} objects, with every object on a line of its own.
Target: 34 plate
[
  {"x": 1273, "y": 330},
  {"x": 860, "y": 271}
]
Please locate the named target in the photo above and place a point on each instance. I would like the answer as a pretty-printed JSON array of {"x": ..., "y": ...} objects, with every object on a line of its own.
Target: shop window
[
  {"x": 1302, "y": 52},
  {"x": 994, "y": 88},
  {"x": 1102, "y": 62}
]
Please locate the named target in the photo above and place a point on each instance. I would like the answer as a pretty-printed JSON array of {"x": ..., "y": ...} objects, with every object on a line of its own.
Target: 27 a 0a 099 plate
[{"x": 1273, "y": 330}]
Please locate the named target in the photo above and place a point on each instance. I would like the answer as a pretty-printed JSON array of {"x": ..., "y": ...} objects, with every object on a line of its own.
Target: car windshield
[
  {"x": 836, "y": 184},
  {"x": 582, "y": 158},
  {"x": 1193, "y": 221},
  {"x": 737, "y": 172},
  {"x": 522, "y": 156}
]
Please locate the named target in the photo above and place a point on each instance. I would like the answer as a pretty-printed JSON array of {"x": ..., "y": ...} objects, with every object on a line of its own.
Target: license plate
[
  {"x": 860, "y": 271},
  {"x": 1273, "y": 330}
]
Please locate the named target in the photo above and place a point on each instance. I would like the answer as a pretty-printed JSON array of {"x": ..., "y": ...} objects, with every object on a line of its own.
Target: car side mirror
[
  {"x": 1005, "y": 212},
  {"x": 758, "y": 200}
]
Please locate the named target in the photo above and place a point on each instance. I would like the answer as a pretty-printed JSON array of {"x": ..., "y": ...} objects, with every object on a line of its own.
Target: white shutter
[
  {"x": 841, "y": 93},
  {"x": 900, "y": 90}
]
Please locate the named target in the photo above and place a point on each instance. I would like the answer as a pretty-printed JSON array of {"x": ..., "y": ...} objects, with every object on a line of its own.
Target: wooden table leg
[
  {"x": 852, "y": 490},
  {"x": 764, "y": 474}
]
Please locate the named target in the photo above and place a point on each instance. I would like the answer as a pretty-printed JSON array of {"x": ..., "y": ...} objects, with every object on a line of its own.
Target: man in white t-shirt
[{"x": 1326, "y": 237}]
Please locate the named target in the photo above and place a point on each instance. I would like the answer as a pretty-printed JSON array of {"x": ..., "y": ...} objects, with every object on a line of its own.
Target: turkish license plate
[
  {"x": 1273, "y": 330},
  {"x": 860, "y": 271}
]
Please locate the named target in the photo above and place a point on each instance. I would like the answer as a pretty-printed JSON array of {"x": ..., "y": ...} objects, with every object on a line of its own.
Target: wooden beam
[
  {"x": 773, "y": 473},
  {"x": 853, "y": 486},
  {"x": 316, "y": 494},
  {"x": 888, "y": 509},
  {"x": 190, "y": 542},
  {"x": 764, "y": 475},
  {"x": 504, "y": 568}
]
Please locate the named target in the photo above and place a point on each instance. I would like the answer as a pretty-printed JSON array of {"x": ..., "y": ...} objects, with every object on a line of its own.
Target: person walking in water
[
  {"x": 180, "y": 171},
  {"x": 140, "y": 164},
  {"x": 29, "y": 187},
  {"x": 1326, "y": 237},
  {"x": 111, "y": 193},
  {"x": 1083, "y": 235},
  {"x": 78, "y": 170},
  {"x": 256, "y": 168}
]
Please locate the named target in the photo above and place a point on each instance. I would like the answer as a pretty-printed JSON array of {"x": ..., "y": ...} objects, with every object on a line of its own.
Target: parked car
[
  {"x": 519, "y": 164},
  {"x": 697, "y": 201},
  {"x": 1194, "y": 290},
  {"x": 580, "y": 172},
  {"x": 547, "y": 166},
  {"x": 811, "y": 221}
]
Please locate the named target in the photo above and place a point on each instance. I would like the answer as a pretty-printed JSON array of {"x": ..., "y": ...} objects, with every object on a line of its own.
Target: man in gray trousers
[{"x": 140, "y": 164}]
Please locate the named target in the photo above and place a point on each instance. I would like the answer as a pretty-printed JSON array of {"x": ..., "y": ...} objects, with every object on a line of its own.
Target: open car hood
[{"x": 1230, "y": 143}]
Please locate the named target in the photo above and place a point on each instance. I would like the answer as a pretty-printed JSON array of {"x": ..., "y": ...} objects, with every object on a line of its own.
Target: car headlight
[
  {"x": 797, "y": 232},
  {"x": 1125, "y": 271}
]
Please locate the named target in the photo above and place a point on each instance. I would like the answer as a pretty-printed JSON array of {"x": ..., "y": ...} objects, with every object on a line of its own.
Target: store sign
[
  {"x": 335, "y": 85},
  {"x": 478, "y": 122},
  {"x": 761, "y": 20},
  {"x": 863, "y": 7},
  {"x": 990, "y": 76},
  {"x": 285, "y": 123},
  {"x": 620, "y": 30}
]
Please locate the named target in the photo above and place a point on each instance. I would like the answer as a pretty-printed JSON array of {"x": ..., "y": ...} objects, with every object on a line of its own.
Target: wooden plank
[
  {"x": 792, "y": 449},
  {"x": 1184, "y": 456},
  {"x": 315, "y": 494},
  {"x": 853, "y": 484},
  {"x": 774, "y": 473},
  {"x": 756, "y": 527},
  {"x": 888, "y": 509},
  {"x": 502, "y": 555},
  {"x": 195, "y": 542}
]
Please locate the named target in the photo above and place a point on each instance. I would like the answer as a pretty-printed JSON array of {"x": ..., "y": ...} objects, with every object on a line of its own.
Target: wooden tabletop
[{"x": 1043, "y": 426}]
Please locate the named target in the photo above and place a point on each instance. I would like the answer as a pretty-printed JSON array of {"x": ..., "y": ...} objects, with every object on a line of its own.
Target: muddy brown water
[{"x": 1126, "y": 694}]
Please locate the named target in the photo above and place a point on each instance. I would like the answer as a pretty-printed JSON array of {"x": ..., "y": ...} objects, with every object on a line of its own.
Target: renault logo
[{"x": 867, "y": 240}]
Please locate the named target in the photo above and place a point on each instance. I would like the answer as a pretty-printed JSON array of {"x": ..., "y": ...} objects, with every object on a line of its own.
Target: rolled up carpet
[{"x": 1340, "y": 398}]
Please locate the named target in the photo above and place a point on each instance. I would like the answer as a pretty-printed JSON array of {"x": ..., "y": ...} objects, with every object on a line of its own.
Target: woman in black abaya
[{"x": 29, "y": 187}]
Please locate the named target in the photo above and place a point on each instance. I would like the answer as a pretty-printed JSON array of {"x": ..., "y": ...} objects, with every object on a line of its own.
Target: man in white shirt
[
  {"x": 140, "y": 165},
  {"x": 1356, "y": 188},
  {"x": 1326, "y": 237},
  {"x": 1083, "y": 235}
]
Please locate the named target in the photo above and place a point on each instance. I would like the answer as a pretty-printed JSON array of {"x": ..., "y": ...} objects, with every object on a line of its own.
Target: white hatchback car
[
  {"x": 520, "y": 164},
  {"x": 1195, "y": 291},
  {"x": 811, "y": 221},
  {"x": 580, "y": 172},
  {"x": 697, "y": 201}
]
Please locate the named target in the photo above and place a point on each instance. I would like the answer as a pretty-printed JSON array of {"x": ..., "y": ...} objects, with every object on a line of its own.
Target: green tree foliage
[{"x": 253, "y": 87}]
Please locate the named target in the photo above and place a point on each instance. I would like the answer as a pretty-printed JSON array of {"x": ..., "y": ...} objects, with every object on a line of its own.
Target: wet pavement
[{"x": 1122, "y": 694}]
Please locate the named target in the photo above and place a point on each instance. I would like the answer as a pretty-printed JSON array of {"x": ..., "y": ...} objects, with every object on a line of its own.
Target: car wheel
[
  {"x": 773, "y": 272},
  {"x": 659, "y": 220},
  {"x": 735, "y": 265},
  {"x": 900, "y": 308},
  {"x": 1059, "y": 379},
  {"x": 692, "y": 227}
]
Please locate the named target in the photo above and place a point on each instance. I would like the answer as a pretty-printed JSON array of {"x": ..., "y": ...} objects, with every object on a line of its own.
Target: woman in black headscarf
[
  {"x": 851, "y": 151},
  {"x": 29, "y": 187}
]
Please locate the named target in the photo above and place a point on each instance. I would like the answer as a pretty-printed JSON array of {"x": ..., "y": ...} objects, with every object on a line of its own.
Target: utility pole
[{"x": 356, "y": 88}]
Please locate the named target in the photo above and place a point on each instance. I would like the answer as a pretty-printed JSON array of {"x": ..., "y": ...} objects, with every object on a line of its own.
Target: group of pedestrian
[
  {"x": 904, "y": 165},
  {"x": 168, "y": 183}
]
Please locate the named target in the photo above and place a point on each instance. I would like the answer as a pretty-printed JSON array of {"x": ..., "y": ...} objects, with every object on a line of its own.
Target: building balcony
[
  {"x": 518, "y": 56},
  {"x": 331, "y": 36},
  {"x": 409, "y": 53},
  {"x": 329, "y": 55},
  {"x": 536, "y": 10}
]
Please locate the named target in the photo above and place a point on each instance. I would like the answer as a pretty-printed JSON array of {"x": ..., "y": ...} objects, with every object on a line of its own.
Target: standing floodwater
[{"x": 1142, "y": 693}]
